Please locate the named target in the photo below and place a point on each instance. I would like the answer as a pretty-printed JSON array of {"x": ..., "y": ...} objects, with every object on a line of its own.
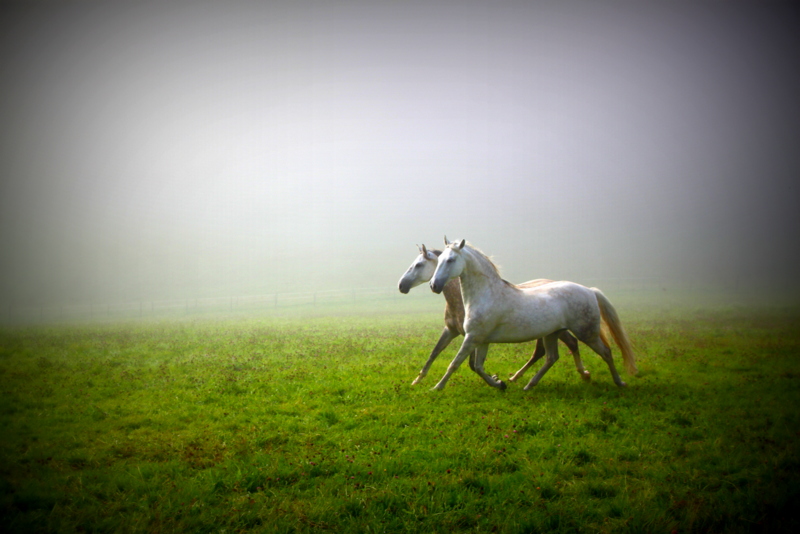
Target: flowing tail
[{"x": 611, "y": 319}]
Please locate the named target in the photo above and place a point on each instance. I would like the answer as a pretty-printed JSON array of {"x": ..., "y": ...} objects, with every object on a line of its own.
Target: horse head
[
  {"x": 450, "y": 265},
  {"x": 420, "y": 271}
]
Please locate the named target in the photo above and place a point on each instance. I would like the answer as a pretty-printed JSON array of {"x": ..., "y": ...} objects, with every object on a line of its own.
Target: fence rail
[
  {"x": 27, "y": 313},
  {"x": 48, "y": 313}
]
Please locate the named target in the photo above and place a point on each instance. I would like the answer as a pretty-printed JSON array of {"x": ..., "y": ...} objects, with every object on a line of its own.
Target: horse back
[
  {"x": 568, "y": 305},
  {"x": 519, "y": 314}
]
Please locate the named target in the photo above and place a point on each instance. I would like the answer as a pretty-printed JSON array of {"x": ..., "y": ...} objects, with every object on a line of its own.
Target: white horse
[
  {"x": 500, "y": 312},
  {"x": 421, "y": 271}
]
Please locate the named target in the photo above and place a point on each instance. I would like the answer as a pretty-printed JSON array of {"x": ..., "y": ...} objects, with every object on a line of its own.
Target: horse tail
[{"x": 611, "y": 319}]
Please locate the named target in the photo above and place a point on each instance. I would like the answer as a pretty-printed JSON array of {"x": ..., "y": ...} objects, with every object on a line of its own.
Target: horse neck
[
  {"x": 452, "y": 295},
  {"x": 479, "y": 277}
]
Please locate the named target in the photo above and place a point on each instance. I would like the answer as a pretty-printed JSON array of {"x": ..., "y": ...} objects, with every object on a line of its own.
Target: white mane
[{"x": 486, "y": 262}]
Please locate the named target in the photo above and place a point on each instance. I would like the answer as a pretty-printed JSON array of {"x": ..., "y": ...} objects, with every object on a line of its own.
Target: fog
[{"x": 179, "y": 150}]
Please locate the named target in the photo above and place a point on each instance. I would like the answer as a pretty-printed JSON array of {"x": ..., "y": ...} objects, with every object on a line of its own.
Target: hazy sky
[{"x": 155, "y": 150}]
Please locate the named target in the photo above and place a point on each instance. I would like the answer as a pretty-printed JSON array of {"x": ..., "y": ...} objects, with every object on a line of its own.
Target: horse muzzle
[{"x": 436, "y": 286}]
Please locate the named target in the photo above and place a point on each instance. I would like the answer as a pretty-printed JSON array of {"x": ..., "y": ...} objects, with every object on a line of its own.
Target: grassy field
[{"x": 285, "y": 423}]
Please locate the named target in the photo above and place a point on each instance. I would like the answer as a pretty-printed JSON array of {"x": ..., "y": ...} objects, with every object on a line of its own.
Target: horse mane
[
  {"x": 436, "y": 253},
  {"x": 491, "y": 263}
]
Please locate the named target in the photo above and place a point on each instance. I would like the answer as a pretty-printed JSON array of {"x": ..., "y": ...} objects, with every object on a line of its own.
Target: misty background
[{"x": 184, "y": 150}]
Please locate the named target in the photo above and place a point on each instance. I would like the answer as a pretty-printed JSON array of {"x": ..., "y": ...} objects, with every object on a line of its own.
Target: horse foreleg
[
  {"x": 551, "y": 349},
  {"x": 480, "y": 357},
  {"x": 572, "y": 344},
  {"x": 472, "y": 356},
  {"x": 538, "y": 352},
  {"x": 444, "y": 340},
  {"x": 467, "y": 346}
]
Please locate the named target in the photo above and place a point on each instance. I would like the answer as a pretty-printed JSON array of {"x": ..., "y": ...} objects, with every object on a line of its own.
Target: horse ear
[
  {"x": 461, "y": 245},
  {"x": 424, "y": 251},
  {"x": 446, "y": 242}
]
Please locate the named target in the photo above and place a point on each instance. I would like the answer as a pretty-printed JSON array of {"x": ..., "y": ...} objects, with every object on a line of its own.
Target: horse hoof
[
  {"x": 512, "y": 379},
  {"x": 622, "y": 384},
  {"x": 416, "y": 381},
  {"x": 586, "y": 376},
  {"x": 501, "y": 385}
]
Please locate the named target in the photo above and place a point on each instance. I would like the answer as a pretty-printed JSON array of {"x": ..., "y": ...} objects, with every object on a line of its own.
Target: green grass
[{"x": 291, "y": 424}]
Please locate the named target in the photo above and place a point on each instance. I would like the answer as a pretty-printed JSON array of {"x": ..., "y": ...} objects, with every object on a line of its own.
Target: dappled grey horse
[{"x": 500, "y": 312}]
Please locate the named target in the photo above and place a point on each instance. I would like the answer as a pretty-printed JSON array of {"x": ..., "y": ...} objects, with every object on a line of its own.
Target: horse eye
[{"x": 450, "y": 260}]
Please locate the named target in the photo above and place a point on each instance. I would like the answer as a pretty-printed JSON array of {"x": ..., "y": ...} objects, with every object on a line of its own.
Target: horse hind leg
[
  {"x": 601, "y": 348},
  {"x": 572, "y": 344},
  {"x": 537, "y": 355}
]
